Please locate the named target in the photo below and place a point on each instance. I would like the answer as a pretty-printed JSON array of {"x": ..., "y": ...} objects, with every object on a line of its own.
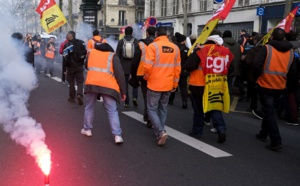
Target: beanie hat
[
  {"x": 227, "y": 33},
  {"x": 180, "y": 38}
]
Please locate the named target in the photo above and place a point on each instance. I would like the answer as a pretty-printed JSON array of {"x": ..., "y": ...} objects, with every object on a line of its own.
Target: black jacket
[
  {"x": 259, "y": 61},
  {"x": 183, "y": 55},
  {"x": 29, "y": 53},
  {"x": 69, "y": 60},
  {"x": 127, "y": 63}
]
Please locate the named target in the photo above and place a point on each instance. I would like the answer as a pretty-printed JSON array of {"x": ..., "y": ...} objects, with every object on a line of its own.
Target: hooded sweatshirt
[{"x": 235, "y": 49}]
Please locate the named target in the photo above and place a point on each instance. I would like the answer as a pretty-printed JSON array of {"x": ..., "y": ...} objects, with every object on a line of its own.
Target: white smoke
[
  {"x": 112, "y": 42},
  {"x": 17, "y": 80}
]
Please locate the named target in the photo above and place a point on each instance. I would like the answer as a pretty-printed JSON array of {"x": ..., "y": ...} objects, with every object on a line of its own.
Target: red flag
[
  {"x": 44, "y": 5},
  {"x": 224, "y": 10},
  {"x": 286, "y": 23}
]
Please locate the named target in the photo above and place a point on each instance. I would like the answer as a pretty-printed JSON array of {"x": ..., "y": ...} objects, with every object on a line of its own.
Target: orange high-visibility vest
[
  {"x": 91, "y": 43},
  {"x": 100, "y": 70},
  {"x": 140, "y": 71},
  {"x": 50, "y": 52},
  {"x": 162, "y": 65},
  {"x": 276, "y": 67}
]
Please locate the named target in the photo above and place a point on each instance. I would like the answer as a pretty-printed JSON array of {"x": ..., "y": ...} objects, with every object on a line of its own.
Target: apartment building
[
  {"x": 116, "y": 14},
  {"x": 243, "y": 15}
]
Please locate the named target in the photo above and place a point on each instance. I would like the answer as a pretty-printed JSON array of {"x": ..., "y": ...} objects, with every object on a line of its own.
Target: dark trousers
[
  {"x": 252, "y": 93},
  {"x": 144, "y": 89},
  {"x": 239, "y": 83},
  {"x": 134, "y": 90},
  {"x": 49, "y": 67},
  {"x": 75, "y": 75},
  {"x": 63, "y": 75},
  {"x": 198, "y": 116},
  {"x": 291, "y": 106},
  {"x": 182, "y": 84},
  {"x": 269, "y": 124}
]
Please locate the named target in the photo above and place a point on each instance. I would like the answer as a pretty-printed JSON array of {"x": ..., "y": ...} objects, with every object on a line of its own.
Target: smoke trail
[{"x": 17, "y": 80}]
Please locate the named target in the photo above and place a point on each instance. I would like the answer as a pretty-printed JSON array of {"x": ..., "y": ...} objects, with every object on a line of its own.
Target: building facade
[
  {"x": 243, "y": 15},
  {"x": 115, "y": 14}
]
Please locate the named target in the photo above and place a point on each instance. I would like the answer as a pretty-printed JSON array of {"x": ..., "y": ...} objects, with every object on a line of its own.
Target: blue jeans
[
  {"x": 269, "y": 124},
  {"x": 198, "y": 116},
  {"x": 157, "y": 104},
  {"x": 111, "y": 108}
]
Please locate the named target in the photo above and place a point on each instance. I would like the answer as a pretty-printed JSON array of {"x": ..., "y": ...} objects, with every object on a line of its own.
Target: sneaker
[
  {"x": 63, "y": 82},
  {"x": 292, "y": 122},
  {"x": 273, "y": 146},
  {"x": 86, "y": 132},
  {"x": 162, "y": 139},
  {"x": 214, "y": 130},
  {"x": 221, "y": 137},
  {"x": 71, "y": 100},
  {"x": 126, "y": 105},
  {"x": 257, "y": 114},
  {"x": 79, "y": 99},
  {"x": 135, "y": 103},
  {"x": 261, "y": 138},
  {"x": 118, "y": 139},
  {"x": 194, "y": 135},
  {"x": 206, "y": 123},
  {"x": 149, "y": 124}
]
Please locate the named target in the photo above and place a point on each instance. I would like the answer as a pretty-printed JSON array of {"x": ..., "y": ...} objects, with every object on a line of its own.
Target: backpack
[
  {"x": 128, "y": 49},
  {"x": 79, "y": 51},
  {"x": 96, "y": 42}
]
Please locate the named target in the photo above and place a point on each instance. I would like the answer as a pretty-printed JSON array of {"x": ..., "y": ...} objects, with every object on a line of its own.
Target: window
[
  {"x": 175, "y": 7},
  {"x": 152, "y": 7},
  {"x": 139, "y": 2},
  {"x": 203, "y": 5},
  {"x": 140, "y": 16},
  {"x": 122, "y": 2},
  {"x": 163, "y": 8},
  {"x": 122, "y": 20},
  {"x": 189, "y": 5}
]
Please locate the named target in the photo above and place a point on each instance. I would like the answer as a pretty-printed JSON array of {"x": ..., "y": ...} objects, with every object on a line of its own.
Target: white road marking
[
  {"x": 199, "y": 145},
  {"x": 233, "y": 104}
]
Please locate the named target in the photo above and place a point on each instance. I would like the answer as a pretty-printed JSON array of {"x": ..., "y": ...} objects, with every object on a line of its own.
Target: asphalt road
[{"x": 78, "y": 160}]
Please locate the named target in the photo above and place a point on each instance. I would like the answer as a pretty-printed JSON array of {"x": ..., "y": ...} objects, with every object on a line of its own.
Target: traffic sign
[
  {"x": 260, "y": 11},
  {"x": 218, "y": 1}
]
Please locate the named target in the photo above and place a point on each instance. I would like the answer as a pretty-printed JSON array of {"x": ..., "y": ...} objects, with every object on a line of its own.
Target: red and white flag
[
  {"x": 286, "y": 23},
  {"x": 224, "y": 10}
]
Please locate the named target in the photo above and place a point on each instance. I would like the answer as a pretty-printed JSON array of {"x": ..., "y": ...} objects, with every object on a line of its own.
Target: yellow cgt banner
[
  {"x": 52, "y": 18},
  {"x": 216, "y": 93}
]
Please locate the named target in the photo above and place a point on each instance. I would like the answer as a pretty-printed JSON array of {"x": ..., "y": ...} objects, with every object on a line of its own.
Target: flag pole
[{"x": 69, "y": 25}]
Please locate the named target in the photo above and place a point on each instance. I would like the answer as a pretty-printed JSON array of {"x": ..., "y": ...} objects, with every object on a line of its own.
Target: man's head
[
  {"x": 96, "y": 33},
  {"x": 180, "y": 38},
  {"x": 128, "y": 31},
  {"x": 71, "y": 35},
  {"x": 243, "y": 31},
  {"x": 216, "y": 32},
  {"x": 291, "y": 36},
  {"x": 151, "y": 31},
  {"x": 278, "y": 34},
  {"x": 51, "y": 39},
  {"x": 227, "y": 33},
  {"x": 257, "y": 38},
  {"x": 161, "y": 31},
  {"x": 18, "y": 36}
]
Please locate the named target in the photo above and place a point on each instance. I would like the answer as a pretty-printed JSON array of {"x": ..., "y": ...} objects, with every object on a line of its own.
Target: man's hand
[
  {"x": 123, "y": 97},
  {"x": 173, "y": 90}
]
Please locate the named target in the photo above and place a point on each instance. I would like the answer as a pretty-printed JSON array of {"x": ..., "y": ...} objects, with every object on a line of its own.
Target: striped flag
[
  {"x": 285, "y": 24},
  {"x": 51, "y": 16},
  {"x": 220, "y": 14}
]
